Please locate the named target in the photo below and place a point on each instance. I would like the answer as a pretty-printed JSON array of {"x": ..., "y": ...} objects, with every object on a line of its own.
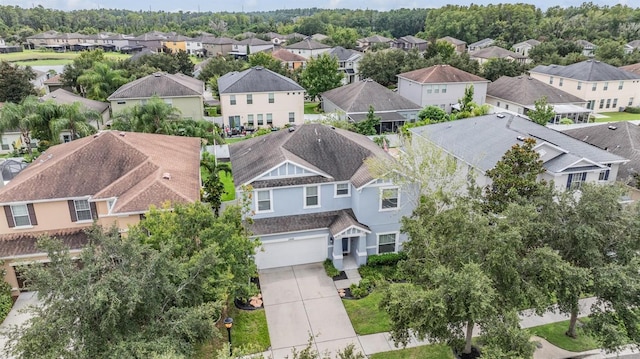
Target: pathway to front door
[{"x": 300, "y": 302}]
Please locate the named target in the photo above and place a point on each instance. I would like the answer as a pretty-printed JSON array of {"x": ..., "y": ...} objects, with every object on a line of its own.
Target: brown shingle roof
[
  {"x": 126, "y": 165},
  {"x": 160, "y": 84},
  {"x": 20, "y": 244},
  {"x": 54, "y": 80},
  {"x": 495, "y": 52},
  {"x": 284, "y": 55},
  {"x": 62, "y": 96},
  {"x": 633, "y": 68},
  {"x": 441, "y": 74}
]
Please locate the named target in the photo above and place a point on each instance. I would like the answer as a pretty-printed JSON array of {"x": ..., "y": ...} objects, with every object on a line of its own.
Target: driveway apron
[{"x": 300, "y": 303}]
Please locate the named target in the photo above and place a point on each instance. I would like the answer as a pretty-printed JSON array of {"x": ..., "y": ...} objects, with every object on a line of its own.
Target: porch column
[
  {"x": 337, "y": 253},
  {"x": 361, "y": 250}
]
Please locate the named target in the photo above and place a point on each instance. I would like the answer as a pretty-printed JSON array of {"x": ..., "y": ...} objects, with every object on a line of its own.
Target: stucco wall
[
  {"x": 284, "y": 102},
  {"x": 455, "y": 91},
  {"x": 190, "y": 107}
]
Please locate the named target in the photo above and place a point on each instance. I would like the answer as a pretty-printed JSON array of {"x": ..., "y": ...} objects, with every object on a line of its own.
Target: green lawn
[
  {"x": 618, "y": 116},
  {"x": 554, "y": 333},
  {"x": 311, "y": 108},
  {"x": 436, "y": 351},
  {"x": 249, "y": 329},
  {"x": 230, "y": 140},
  {"x": 38, "y": 57},
  {"x": 366, "y": 316},
  {"x": 229, "y": 188}
]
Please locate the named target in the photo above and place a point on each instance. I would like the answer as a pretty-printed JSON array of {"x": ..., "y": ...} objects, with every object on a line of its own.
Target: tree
[
  {"x": 184, "y": 65},
  {"x": 320, "y": 75},
  {"x": 433, "y": 114},
  {"x": 212, "y": 185},
  {"x": 75, "y": 119},
  {"x": 495, "y": 68},
  {"x": 268, "y": 62},
  {"x": 368, "y": 126},
  {"x": 151, "y": 117},
  {"x": 311, "y": 25},
  {"x": 100, "y": 81},
  {"x": 382, "y": 66},
  {"x": 543, "y": 113},
  {"x": 610, "y": 51},
  {"x": 23, "y": 116},
  {"x": 220, "y": 65},
  {"x": 444, "y": 49},
  {"x": 73, "y": 71},
  {"x": 343, "y": 36},
  {"x": 514, "y": 179},
  {"x": 127, "y": 299},
  {"x": 15, "y": 82}
]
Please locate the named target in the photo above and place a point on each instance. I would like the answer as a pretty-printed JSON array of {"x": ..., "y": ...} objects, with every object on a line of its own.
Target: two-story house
[
  {"x": 276, "y": 38},
  {"x": 258, "y": 97},
  {"x": 313, "y": 197},
  {"x": 475, "y": 46},
  {"x": 588, "y": 48},
  {"x": 110, "y": 178},
  {"x": 218, "y": 46},
  {"x": 606, "y": 88},
  {"x": 180, "y": 91},
  {"x": 308, "y": 48},
  {"x": 478, "y": 143},
  {"x": 289, "y": 60},
  {"x": 440, "y": 85},
  {"x": 367, "y": 43},
  {"x": 523, "y": 48},
  {"x": 64, "y": 97},
  {"x": 250, "y": 46},
  {"x": 410, "y": 42},
  {"x": 460, "y": 46},
  {"x": 494, "y": 52},
  {"x": 347, "y": 63}
]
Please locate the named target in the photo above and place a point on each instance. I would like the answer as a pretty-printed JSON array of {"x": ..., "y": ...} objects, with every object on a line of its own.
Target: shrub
[
  {"x": 566, "y": 121},
  {"x": 330, "y": 269},
  {"x": 630, "y": 109},
  {"x": 385, "y": 259},
  {"x": 5, "y": 301},
  {"x": 362, "y": 289}
]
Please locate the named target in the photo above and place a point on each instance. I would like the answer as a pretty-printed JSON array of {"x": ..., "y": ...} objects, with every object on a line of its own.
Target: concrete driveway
[{"x": 300, "y": 302}]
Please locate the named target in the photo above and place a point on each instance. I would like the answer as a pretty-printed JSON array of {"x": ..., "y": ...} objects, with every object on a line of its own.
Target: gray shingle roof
[
  {"x": 482, "y": 43},
  {"x": 412, "y": 39},
  {"x": 531, "y": 42},
  {"x": 624, "y": 140},
  {"x": 376, "y": 39},
  {"x": 358, "y": 96},
  {"x": 334, "y": 221},
  {"x": 343, "y": 54},
  {"x": 62, "y": 96},
  {"x": 495, "y": 52},
  {"x": 160, "y": 84},
  {"x": 256, "y": 79},
  {"x": 308, "y": 44},
  {"x": 525, "y": 91},
  {"x": 335, "y": 153},
  {"x": 589, "y": 70},
  {"x": 452, "y": 40},
  {"x": 254, "y": 41},
  {"x": 482, "y": 141}
]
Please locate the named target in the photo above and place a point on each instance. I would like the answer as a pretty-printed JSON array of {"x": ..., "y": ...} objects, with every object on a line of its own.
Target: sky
[{"x": 261, "y": 5}]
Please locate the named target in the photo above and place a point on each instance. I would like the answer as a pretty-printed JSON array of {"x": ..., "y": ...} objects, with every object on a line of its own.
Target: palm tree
[
  {"x": 101, "y": 80},
  {"x": 212, "y": 185},
  {"x": 75, "y": 119},
  {"x": 23, "y": 117},
  {"x": 154, "y": 116}
]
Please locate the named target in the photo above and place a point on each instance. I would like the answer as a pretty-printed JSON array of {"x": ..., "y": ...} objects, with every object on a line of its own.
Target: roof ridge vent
[
  {"x": 612, "y": 128},
  {"x": 166, "y": 176},
  {"x": 520, "y": 138},
  {"x": 500, "y": 115},
  {"x": 122, "y": 134}
]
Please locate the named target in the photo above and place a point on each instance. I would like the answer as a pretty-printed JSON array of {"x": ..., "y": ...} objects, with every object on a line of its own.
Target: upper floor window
[
  {"x": 429, "y": 88},
  {"x": 579, "y": 85},
  {"x": 436, "y": 88},
  {"x": 389, "y": 198},
  {"x": 606, "y": 86},
  {"x": 550, "y": 80},
  {"x": 263, "y": 198},
  {"x": 343, "y": 190},
  {"x": 620, "y": 85},
  {"x": 81, "y": 210},
  {"x": 560, "y": 82},
  {"x": 443, "y": 88},
  {"x": 594, "y": 86},
  {"x": 604, "y": 174},
  {"x": 575, "y": 180},
  {"x": 272, "y": 97},
  {"x": 311, "y": 196},
  {"x": 20, "y": 215},
  {"x": 232, "y": 99},
  {"x": 249, "y": 99}
]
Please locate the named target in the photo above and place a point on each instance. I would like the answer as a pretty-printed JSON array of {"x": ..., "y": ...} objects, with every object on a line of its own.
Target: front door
[{"x": 346, "y": 246}]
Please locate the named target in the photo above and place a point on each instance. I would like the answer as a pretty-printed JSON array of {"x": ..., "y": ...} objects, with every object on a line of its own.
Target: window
[
  {"x": 429, "y": 88},
  {"x": 271, "y": 98},
  {"x": 269, "y": 119},
  {"x": 602, "y": 103},
  {"x": 550, "y": 80},
  {"x": 594, "y": 86},
  {"x": 19, "y": 215},
  {"x": 506, "y": 106},
  {"x": 560, "y": 81},
  {"x": 620, "y": 85},
  {"x": 443, "y": 88},
  {"x": 83, "y": 210},
  {"x": 606, "y": 86},
  {"x": 575, "y": 180},
  {"x": 169, "y": 102},
  {"x": 608, "y": 103},
  {"x": 436, "y": 88},
  {"x": 250, "y": 120},
  {"x": 498, "y": 104},
  {"x": 260, "y": 121},
  {"x": 387, "y": 243},
  {"x": 292, "y": 117},
  {"x": 630, "y": 101},
  {"x": 249, "y": 99},
  {"x": 311, "y": 197},
  {"x": 264, "y": 200},
  {"x": 604, "y": 174},
  {"x": 591, "y": 104},
  {"x": 232, "y": 99},
  {"x": 389, "y": 199},
  {"x": 579, "y": 85},
  {"x": 615, "y": 103},
  {"x": 342, "y": 190}
]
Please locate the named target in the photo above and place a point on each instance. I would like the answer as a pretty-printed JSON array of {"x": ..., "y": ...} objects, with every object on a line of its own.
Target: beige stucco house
[
  {"x": 180, "y": 91},
  {"x": 308, "y": 48},
  {"x": 606, "y": 88},
  {"x": 440, "y": 85},
  {"x": 110, "y": 178},
  {"x": 258, "y": 97}
]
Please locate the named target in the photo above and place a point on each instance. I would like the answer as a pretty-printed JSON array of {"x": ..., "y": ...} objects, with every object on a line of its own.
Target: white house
[
  {"x": 308, "y": 48},
  {"x": 251, "y": 46},
  {"x": 523, "y": 48}
]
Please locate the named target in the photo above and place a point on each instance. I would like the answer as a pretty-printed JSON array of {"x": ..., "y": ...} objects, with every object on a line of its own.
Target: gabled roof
[
  {"x": 218, "y": 41},
  {"x": 358, "y": 96},
  {"x": 120, "y": 37},
  {"x": 482, "y": 43},
  {"x": 335, "y": 221},
  {"x": 127, "y": 165},
  {"x": 274, "y": 35},
  {"x": 376, "y": 39},
  {"x": 294, "y": 35},
  {"x": 308, "y": 44},
  {"x": 254, "y": 41},
  {"x": 160, "y": 84},
  {"x": 531, "y": 42},
  {"x": 150, "y": 37},
  {"x": 495, "y": 52},
  {"x": 525, "y": 91},
  {"x": 452, "y": 40},
  {"x": 54, "y": 80},
  {"x": 319, "y": 37},
  {"x": 633, "y": 68},
  {"x": 178, "y": 38},
  {"x": 589, "y": 70},
  {"x": 343, "y": 54},
  {"x": 62, "y": 96},
  {"x": 412, "y": 40},
  {"x": 286, "y": 56},
  {"x": 440, "y": 74},
  {"x": 621, "y": 138},
  {"x": 482, "y": 141},
  {"x": 338, "y": 153},
  {"x": 256, "y": 79}
]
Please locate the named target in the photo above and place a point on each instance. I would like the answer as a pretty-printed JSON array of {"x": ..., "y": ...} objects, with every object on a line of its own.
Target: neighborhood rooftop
[
  {"x": 307, "y": 44},
  {"x": 589, "y": 70},
  {"x": 525, "y": 90},
  {"x": 441, "y": 74},
  {"x": 66, "y": 97},
  {"x": 160, "y": 84},
  {"x": 359, "y": 96},
  {"x": 256, "y": 79}
]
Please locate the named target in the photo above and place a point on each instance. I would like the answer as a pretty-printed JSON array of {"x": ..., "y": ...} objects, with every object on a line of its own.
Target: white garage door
[{"x": 300, "y": 250}]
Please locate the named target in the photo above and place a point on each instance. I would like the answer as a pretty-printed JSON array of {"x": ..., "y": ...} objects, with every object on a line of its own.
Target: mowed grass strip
[
  {"x": 435, "y": 351},
  {"x": 366, "y": 316},
  {"x": 554, "y": 334}
]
